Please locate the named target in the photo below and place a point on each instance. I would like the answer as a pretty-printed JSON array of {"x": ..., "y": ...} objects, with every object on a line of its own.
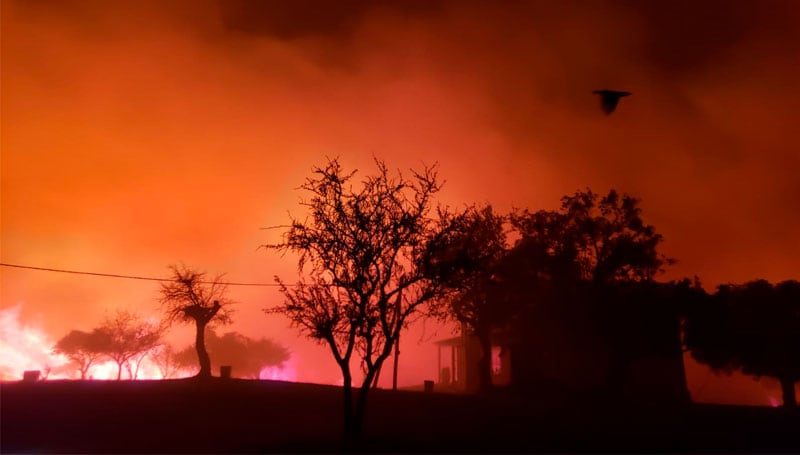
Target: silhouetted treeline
[
  {"x": 576, "y": 303},
  {"x": 753, "y": 328},
  {"x": 127, "y": 339},
  {"x": 563, "y": 295},
  {"x": 573, "y": 300},
  {"x": 124, "y": 337}
]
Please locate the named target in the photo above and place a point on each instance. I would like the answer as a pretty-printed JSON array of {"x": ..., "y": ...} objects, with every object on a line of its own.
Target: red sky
[{"x": 139, "y": 134}]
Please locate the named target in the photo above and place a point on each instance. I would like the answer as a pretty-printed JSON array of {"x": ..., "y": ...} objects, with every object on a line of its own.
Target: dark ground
[{"x": 237, "y": 416}]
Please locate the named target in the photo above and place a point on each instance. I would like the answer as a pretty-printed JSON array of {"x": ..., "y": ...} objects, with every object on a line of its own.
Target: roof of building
[{"x": 455, "y": 341}]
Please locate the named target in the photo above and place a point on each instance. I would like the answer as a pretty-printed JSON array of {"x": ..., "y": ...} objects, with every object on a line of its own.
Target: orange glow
[
  {"x": 136, "y": 135},
  {"x": 24, "y": 347}
]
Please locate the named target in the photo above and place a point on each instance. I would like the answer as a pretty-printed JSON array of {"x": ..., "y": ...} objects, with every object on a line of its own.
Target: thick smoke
[{"x": 139, "y": 134}]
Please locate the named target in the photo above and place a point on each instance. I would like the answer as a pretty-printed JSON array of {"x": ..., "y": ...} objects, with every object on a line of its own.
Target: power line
[{"x": 129, "y": 277}]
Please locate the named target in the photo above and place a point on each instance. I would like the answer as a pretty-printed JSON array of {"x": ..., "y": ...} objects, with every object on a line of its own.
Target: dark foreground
[{"x": 238, "y": 416}]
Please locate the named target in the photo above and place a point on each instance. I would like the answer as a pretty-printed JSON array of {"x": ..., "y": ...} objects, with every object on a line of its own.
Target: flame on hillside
[{"x": 25, "y": 347}]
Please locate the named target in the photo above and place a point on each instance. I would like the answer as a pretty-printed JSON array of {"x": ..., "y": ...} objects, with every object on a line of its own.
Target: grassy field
[{"x": 240, "y": 416}]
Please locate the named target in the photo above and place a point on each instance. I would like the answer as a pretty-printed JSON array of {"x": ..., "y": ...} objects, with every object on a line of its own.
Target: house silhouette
[{"x": 459, "y": 358}]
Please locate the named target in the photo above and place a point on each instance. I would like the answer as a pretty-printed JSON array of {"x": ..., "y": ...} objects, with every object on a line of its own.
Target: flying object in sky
[{"x": 609, "y": 99}]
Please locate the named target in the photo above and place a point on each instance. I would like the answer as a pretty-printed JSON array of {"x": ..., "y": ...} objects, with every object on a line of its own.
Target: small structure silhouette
[
  {"x": 31, "y": 375},
  {"x": 609, "y": 99},
  {"x": 459, "y": 372}
]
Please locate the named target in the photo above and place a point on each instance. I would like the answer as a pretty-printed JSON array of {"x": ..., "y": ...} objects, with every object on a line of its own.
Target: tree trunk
[
  {"x": 376, "y": 378},
  {"x": 202, "y": 354},
  {"x": 396, "y": 341},
  {"x": 352, "y": 429},
  {"x": 138, "y": 365},
  {"x": 484, "y": 361},
  {"x": 355, "y": 407},
  {"x": 119, "y": 371},
  {"x": 358, "y": 415},
  {"x": 789, "y": 398}
]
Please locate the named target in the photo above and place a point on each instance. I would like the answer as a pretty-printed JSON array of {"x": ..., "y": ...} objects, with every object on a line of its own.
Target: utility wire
[{"x": 129, "y": 277}]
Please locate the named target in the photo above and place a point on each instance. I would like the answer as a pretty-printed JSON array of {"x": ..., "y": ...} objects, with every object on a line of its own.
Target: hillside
[{"x": 240, "y": 416}]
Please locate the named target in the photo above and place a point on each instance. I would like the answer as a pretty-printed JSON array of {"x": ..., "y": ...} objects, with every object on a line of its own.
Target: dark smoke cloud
[
  {"x": 686, "y": 37},
  {"x": 311, "y": 18}
]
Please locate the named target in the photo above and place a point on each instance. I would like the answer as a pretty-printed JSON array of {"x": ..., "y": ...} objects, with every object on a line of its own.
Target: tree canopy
[
  {"x": 246, "y": 356},
  {"x": 468, "y": 259},
  {"x": 83, "y": 349},
  {"x": 604, "y": 238}
]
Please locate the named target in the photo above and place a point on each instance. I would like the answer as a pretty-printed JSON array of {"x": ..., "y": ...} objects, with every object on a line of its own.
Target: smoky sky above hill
[{"x": 139, "y": 134}]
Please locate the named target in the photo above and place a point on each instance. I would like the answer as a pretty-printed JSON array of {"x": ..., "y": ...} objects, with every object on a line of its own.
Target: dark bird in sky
[{"x": 609, "y": 99}]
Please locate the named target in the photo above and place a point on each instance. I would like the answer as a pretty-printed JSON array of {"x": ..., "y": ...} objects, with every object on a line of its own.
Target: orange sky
[{"x": 139, "y": 134}]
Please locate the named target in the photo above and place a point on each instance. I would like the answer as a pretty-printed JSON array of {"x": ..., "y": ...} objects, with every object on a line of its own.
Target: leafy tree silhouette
[
  {"x": 613, "y": 242},
  {"x": 753, "y": 328},
  {"x": 190, "y": 298},
  {"x": 468, "y": 258},
  {"x": 578, "y": 265},
  {"x": 84, "y": 349},
  {"x": 247, "y": 356},
  {"x": 362, "y": 252}
]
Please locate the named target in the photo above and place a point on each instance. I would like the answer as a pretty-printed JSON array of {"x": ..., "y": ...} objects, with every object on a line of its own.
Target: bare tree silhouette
[
  {"x": 361, "y": 251},
  {"x": 164, "y": 357},
  {"x": 190, "y": 298},
  {"x": 125, "y": 335}
]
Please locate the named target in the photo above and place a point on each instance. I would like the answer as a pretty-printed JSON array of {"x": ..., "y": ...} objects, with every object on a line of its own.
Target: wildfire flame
[{"x": 24, "y": 347}]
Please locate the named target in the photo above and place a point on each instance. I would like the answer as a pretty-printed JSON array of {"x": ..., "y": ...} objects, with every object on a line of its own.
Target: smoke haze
[{"x": 141, "y": 134}]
